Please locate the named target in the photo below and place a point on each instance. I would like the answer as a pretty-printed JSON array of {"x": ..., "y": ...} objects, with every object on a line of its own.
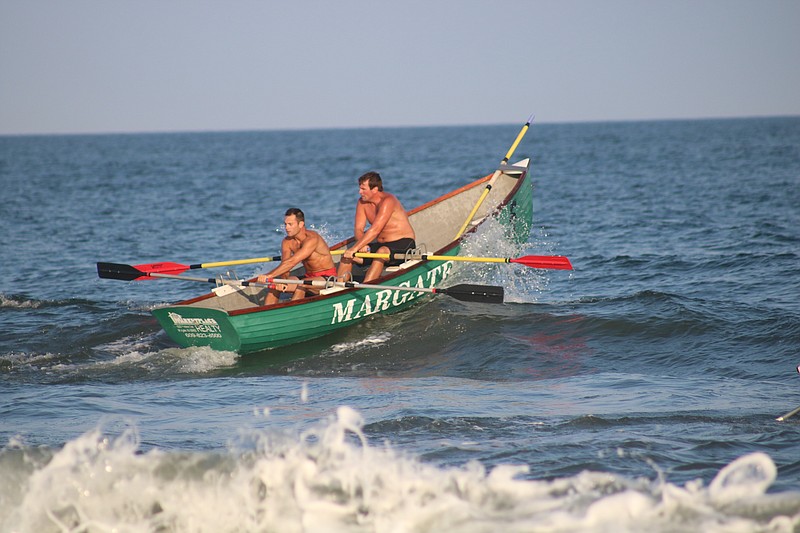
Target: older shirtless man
[
  {"x": 389, "y": 232},
  {"x": 299, "y": 245}
]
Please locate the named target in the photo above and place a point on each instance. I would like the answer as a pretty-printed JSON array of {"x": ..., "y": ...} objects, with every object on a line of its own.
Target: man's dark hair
[
  {"x": 297, "y": 213},
  {"x": 374, "y": 180}
]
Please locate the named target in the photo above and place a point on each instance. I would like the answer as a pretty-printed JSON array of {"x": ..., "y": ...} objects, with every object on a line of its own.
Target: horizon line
[{"x": 375, "y": 127}]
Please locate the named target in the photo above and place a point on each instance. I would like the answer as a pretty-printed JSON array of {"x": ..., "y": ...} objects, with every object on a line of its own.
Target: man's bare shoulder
[{"x": 389, "y": 200}]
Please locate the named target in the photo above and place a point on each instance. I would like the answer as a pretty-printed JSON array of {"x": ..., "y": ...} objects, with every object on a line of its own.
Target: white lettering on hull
[{"x": 386, "y": 299}]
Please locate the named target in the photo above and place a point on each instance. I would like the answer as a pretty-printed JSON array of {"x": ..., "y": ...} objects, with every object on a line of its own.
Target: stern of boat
[{"x": 198, "y": 326}]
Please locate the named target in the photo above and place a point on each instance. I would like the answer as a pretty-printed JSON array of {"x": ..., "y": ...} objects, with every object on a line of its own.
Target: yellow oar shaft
[
  {"x": 239, "y": 262},
  {"x": 513, "y": 148},
  {"x": 253, "y": 260},
  {"x": 429, "y": 257},
  {"x": 484, "y": 194},
  {"x": 555, "y": 262},
  {"x": 426, "y": 257},
  {"x": 493, "y": 179},
  {"x": 250, "y": 261}
]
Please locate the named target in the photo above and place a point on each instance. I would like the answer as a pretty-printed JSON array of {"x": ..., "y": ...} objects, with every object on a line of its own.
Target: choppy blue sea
[{"x": 638, "y": 392}]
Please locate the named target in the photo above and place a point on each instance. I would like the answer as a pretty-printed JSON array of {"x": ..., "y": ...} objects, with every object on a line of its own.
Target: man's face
[
  {"x": 365, "y": 192},
  {"x": 292, "y": 226}
]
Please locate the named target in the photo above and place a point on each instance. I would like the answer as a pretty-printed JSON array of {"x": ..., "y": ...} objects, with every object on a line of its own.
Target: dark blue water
[{"x": 638, "y": 392}]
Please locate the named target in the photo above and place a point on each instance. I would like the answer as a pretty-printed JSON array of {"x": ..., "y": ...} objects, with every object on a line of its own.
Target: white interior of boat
[{"x": 435, "y": 226}]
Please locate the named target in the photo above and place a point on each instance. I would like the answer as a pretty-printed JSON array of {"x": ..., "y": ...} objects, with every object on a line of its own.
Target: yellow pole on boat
[{"x": 494, "y": 178}]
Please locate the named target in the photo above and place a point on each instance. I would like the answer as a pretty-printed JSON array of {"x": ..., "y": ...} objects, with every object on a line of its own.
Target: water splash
[{"x": 522, "y": 284}]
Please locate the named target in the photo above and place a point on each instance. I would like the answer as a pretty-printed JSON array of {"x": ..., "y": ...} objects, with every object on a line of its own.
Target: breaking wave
[{"x": 330, "y": 478}]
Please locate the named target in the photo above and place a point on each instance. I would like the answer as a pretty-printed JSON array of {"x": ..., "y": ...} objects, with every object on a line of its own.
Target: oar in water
[
  {"x": 793, "y": 411},
  {"x": 788, "y": 415},
  {"x": 138, "y": 272},
  {"x": 465, "y": 292},
  {"x": 557, "y": 262},
  {"x": 494, "y": 177}
]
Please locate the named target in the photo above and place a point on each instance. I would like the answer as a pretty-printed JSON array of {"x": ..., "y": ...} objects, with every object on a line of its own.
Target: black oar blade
[
  {"x": 486, "y": 294},
  {"x": 118, "y": 271}
]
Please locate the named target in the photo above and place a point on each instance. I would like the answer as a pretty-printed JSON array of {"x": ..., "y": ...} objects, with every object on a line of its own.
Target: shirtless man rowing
[
  {"x": 300, "y": 245},
  {"x": 389, "y": 232}
]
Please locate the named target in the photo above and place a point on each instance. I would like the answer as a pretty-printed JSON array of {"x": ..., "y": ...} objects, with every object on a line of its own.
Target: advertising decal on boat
[{"x": 196, "y": 328}]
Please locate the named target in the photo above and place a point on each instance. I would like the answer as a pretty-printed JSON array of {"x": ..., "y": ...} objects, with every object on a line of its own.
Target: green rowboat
[{"x": 235, "y": 319}]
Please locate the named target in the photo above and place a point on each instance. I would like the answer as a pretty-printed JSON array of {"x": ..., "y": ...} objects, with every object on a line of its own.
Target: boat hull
[{"x": 280, "y": 326}]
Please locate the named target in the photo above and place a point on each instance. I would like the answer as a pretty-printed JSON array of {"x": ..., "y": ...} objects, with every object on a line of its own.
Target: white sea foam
[
  {"x": 18, "y": 302},
  {"x": 330, "y": 478},
  {"x": 193, "y": 360},
  {"x": 372, "y": 340},
  {"x": 127, "y": 353},
  {"x": 132, "y": 353},
  {"x": 16, "y": 360}
]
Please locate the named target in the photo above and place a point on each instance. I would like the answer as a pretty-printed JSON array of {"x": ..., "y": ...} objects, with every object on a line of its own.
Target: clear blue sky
[{"x": 184, "y": 65}]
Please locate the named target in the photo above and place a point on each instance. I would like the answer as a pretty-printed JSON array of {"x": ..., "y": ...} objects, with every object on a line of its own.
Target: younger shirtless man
[
  {"x": 390, "y": 231},
  {"x": 299, "y": 245}
]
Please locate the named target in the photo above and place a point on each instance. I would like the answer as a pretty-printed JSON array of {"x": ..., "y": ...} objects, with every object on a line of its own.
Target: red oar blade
[
  {"x": 137, "y": 272},
  {"x": 162, "y": 268},
  {"x": 556, "y": 262}
]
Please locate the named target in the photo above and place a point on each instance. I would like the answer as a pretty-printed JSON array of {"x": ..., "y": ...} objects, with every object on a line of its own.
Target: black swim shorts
[{"x": 400, "y": 246}]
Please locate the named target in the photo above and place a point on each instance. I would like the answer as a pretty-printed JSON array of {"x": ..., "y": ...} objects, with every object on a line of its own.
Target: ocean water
[{"x": 638, "y": 392}]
